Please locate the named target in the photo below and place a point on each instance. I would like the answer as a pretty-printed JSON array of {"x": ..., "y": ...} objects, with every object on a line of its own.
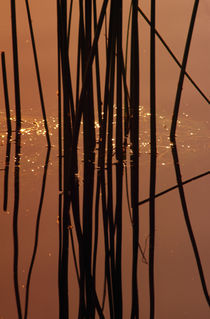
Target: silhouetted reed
[
  {"x": 6, "y": 95},
  {"x": 108, "y": 127},
  {"x": 182, "y": 72},
  {"x": 134, "y": 157},
  {"x": 37, "y": 72},
  {"x": 9, "y": 131},
  {"x": 153, "y": 159},
  {"x": 15, "y": 223},
  {"x": 17, "y": 156},
  {"x": 15, "y": 65},
  {"x": 175, "y": 186},
  {"x": 174, "y": 57},
  {"x": 67, "y": 135},
  {"x": 187, "y": 220},
  {"x": 6, "y": 173},
  {"x": 175, "y": 153}
]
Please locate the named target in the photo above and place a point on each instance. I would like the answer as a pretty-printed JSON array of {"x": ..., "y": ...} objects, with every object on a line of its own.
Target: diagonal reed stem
[
  {"x": 174, "y": 57},
  {"x": 38, "y": 73},
  {"x": 182, "y": 72},
  {"x": 175, "y": 186},
  {"x": 187, "y": 221}
]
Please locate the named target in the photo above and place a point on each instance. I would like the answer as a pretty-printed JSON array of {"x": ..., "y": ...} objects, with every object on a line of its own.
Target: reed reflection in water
[{"x": 99, "y": 155}]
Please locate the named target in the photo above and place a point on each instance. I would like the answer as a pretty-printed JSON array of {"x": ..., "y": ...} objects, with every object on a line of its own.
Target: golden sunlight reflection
[{"x": 192, "y": 136}]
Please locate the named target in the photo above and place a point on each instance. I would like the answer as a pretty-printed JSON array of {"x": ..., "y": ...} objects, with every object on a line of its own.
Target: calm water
[{"x": 177, "y": 285}]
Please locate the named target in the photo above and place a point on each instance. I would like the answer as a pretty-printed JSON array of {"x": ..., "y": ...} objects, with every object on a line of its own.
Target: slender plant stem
[
  {"x": 6, "y": 95},
  {"x": 38, "y": 73},
  {"x": 15, "y": 66},
  {"x": 153, "y": 164},
  {"x": 182, "y": 72},
  {"x": 174, "y": 187}
]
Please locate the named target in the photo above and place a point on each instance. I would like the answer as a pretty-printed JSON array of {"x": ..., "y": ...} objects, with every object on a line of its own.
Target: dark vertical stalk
[
  {"x": 9, "y": 130},
  {"x": 60, "y": 199},
  {"x": 6, "y": 173},
  {"x": 67, "y": 135},
  {"x": 17, "y": 155},
  {"x": 182, "y": 72},
  {"x": 38, "y": 73},
  {"x": 6, "y": 95},
  {"x": 98, "y": 81},
  {"x": 88, "y": 68},
  {"x": 152, "y": 161},
  {"x": 15, "y": 65},
  {"x": 119, "y": 167},
  {"x": 69, "y": 21},
  {"x": 134, "y": 138},
  {"x": 109, "y": 173}
]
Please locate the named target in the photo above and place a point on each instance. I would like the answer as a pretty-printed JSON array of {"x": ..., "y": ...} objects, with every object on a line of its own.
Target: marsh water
[{"x": 178, "y": 288}]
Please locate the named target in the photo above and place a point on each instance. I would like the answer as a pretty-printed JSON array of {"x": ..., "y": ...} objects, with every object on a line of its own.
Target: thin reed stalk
[
  {"x": 187, "y": 221},
  {"x": 119, "y": 167},
  {"x": 60, "y": 166},
  {"x": 134, "y": 158},
  {"x": 6, "y": 173},
  {"x": 98, "y": 81},
  {"x": 174, "y": 187},
  {"x": 67, "y": 135},
  {"x": 69, "y": 21},
  {"x": 38, "y": 73},
  {"x": 110, "y": 211},
  {"x": 182, "y": 72},
  {"x": 153, "y": 157},
  {"x": 15, "y": 65},
  {"x": 15, "y": 223},
  {"x": 6, "y": 95}
]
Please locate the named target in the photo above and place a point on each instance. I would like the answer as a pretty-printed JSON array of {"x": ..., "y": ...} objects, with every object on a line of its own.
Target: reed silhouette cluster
[{"x": 112, "y": 102}]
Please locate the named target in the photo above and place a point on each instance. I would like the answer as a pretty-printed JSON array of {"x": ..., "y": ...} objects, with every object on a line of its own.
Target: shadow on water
[{"x": 90, "y": 217}]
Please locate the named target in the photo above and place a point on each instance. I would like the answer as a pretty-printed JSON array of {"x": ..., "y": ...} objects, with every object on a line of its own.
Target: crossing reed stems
[
  {"x": 90, "y": 58},
  {"x": 98, "y": 80},
  {"x": 174, "y": 187},
  {"x": 174, "y": 57},
  {"x": 69, "y": 21}
]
